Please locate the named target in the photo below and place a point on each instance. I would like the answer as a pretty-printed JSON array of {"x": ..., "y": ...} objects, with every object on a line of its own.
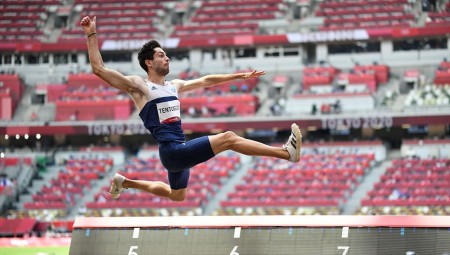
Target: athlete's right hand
[{"x": 88, "y": 25}]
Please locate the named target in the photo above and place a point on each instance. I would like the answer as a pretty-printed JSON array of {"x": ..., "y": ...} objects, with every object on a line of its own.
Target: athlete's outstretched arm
[
  {"x": 112, "y": 77},
  {"x": 213, "y": 79}
]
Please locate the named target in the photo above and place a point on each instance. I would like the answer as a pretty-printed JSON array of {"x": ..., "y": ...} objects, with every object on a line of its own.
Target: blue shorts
[{"x": 178, "y": 158}]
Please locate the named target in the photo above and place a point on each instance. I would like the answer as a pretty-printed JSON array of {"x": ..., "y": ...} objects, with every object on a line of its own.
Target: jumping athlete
[{"x": 159, "y": 108}]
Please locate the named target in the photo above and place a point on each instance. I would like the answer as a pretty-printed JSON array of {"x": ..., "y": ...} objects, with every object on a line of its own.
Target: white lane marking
[
  {"x": 345, "y": 232},
  {"x": 136, "y": 233},
  {"x": 237, "y": 232}
]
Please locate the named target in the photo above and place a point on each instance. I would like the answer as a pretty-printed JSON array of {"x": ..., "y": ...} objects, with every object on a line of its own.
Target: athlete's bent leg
[
  {"x": 230, "y": 141},
  {"x": 155, "y": 187}
]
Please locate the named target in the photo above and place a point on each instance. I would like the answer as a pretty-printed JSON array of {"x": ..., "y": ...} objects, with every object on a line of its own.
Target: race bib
[{"x": 168, "y": 111}]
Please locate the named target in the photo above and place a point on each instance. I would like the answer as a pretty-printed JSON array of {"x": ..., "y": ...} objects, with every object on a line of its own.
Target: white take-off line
[
  {"x": 345, "y": 232},
  {"x": 136, "y": 233},
  {"x": 237, "y": 232}
]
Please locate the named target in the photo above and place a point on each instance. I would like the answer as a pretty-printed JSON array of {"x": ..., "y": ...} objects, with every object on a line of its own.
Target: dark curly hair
[{"x": 146, "y": 52}]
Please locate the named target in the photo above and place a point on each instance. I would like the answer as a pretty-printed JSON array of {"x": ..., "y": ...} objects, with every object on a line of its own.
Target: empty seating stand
[
  {"x": 227, "y": 99},
  {"x": 340, "y": 15},
  {"x": 242, "y": 105},
  {"x": 318, "y": 76},
  {"x": 23, "y": 19},
  {"x": 227, "y": 18},
  {"x": 63, "y": 191},
  {"x": 410, "y": 184},
  {"x": 438, "y": 19},
  {"x": 11, "y": 91},
  {"x": 87, "y": 97},
  {"x": 135, "y": 19},
  {"x": 320, "y": 181},
  {"x": 442, "y": 74},
  {"x": 368, "y": 75}
]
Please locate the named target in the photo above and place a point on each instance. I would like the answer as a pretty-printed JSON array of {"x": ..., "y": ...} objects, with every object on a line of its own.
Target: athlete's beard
[{"x": 162, "y": 71}]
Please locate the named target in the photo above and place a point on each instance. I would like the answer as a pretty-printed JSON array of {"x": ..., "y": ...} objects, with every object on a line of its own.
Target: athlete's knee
[
  {"x": 230, "y": 136},
  {"x": 180, "y": 197},
  {"x": 223, "y": 141}
]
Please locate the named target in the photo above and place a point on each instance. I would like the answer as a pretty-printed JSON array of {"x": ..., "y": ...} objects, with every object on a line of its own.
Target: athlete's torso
[{"x": 161, "y": 114}]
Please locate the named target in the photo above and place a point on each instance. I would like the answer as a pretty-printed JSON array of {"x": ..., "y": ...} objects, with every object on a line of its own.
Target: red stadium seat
[
  {"x": 412, "y": 182},
  {"x": 321, "y": 181},
  {"x": 223, "y": 18},
  {"x": 364, "y": 14}
]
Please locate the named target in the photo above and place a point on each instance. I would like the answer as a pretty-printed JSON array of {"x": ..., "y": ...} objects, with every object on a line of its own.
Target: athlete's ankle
[
  {"x": 286, "y": 154},
  {"x": 126, "y": 183}
]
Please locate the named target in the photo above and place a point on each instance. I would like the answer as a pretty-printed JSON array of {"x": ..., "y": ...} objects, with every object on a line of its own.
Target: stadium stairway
[
  {"x": 399, "y": 103},
  {"x": 367, "y": 184},
  {"x": 214, "y": 204},
  {"x": 25, "y": 108},
  {"x": 36, "y": 186},
  {"x": 268, "y": 94},
  {"x": 23, "y": 111}
]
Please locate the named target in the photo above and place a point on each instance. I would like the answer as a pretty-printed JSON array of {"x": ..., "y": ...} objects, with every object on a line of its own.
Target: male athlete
[{"x": 159, "y": 108}]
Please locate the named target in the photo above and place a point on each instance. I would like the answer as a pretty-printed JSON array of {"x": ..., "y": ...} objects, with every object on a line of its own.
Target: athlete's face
[{"x": 160, "y": 62}]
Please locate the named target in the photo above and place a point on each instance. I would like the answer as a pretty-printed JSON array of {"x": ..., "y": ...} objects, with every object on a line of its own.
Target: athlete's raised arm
[
  {"x": 112, "y": 77},
  {"x": 213, "y": 79}
]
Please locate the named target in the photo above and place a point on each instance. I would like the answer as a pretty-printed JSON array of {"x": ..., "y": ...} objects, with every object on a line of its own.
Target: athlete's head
[{"x": 153, "y": 56}]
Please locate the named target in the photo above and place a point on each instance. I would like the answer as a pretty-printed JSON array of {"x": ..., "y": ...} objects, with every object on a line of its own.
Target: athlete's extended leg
[
  {"x": 230, "y": 141},
  {"x": 157, "y": 188}
]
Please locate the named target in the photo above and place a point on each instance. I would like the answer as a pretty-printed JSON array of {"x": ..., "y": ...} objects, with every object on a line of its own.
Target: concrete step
[
  {"x": 214, "y": 203},
  {"x": 354, "y": 202},
  {"x": 24, "y": 199},
  {"x": 22, "y": 110},
  {"x": 36, "y": 185}
]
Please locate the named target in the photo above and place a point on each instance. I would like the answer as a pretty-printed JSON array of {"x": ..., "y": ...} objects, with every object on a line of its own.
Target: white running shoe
[
  {"x": 294, "y": 144},
  {"x": 116, "y": 186}
]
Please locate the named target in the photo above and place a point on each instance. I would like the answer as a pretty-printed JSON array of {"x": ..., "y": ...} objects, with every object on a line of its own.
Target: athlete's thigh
[
  {"x": 180, "y": 156},
  {"x": 194, "y": 152},
  {"x": 179, "y": 180}
]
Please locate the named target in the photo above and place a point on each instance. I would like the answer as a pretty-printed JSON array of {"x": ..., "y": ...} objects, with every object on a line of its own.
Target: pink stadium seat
[
  {"x": 381, "y": 71},
  {"x": 223, "y": 18},
  {"x": 15, "y": 161},
  {"x": 11, "y": 92},
  {"x": 119, "y": 20},
  {"x": 321, "y": 180},
  {"x": 412, "y": 182},
  {"x": 63, "y": 191},
  {"x": 76, "y": 98},
  {"x": 318, "y": 76},
  {"x": 364, "y": 14},
  {"x": 243, "y": 104},
  {"x": 23, "y": 19},
  {"x": 439, "y": 19},
  {"x": 442, "y": 75}
]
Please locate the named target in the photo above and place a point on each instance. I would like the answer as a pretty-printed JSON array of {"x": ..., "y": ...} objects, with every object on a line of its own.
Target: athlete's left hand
[{"x": 253, "y": 74}]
